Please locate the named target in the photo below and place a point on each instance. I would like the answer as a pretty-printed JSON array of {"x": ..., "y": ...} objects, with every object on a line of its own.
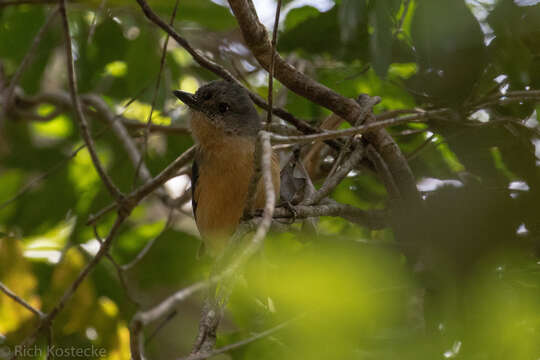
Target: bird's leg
[{"x": 293, "y": 211}]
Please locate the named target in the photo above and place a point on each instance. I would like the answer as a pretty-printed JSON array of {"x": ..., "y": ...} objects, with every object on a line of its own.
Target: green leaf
[
  {"x": 381, "y": 40},
  {"x": 351, "y": 13},
  {"x": 320, "y": 35},
  {"x": 48, "y": 246},
  {"x": 299, "y": 15},
  {"x": 142, "y": 70}
]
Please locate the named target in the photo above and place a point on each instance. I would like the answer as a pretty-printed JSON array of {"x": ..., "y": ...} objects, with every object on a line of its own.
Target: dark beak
[{"x": 187, "y": 98}]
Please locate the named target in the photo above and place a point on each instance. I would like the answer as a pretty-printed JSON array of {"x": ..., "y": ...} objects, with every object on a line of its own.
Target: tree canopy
[{"x": 409, "y": 136}]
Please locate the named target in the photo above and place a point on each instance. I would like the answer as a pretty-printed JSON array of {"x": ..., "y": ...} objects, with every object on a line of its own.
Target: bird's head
[{"x": 226, "y": 106}]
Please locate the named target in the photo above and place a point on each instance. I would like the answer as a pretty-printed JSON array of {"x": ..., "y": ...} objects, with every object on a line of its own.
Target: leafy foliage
[{"x": 463, "y": 283}]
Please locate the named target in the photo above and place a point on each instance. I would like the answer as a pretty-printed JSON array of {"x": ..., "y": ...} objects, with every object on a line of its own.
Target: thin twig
[
  {"x": 137, "y": 195},
  {"x": 149, "y": 245},
  {"x": 113, "y": 190},
  {"x": 333, "y": 134},
  {"x": 62, "y": 100},
  {"x": 271, "y": 70},
  {"x": 225, "y": 74},
  {"x": 4, "y": 3},
  {"x": 49, "y": 318},
  {"x": 27, "y": 60},
  {"x": 372, "y": 219},
  {"x": 166, "y": 306},
  {"x": 256, "y": 39},
  {"x": 419, "y": 149},
  {"x": 31, "y": 184},
  {"x": 335, "y": 179},
  {"x": 19, "y": 300},
  {"x": 236, "y": 345},
  {"x": 160, "y": 326},
  {"x": 121, "y": 133},
  {"x": 104, "y": 248},
  {"x": 154, "y": 97},
  {"x": 41, "y": 177},
  {"x": 93, "y": 25},
  {"x": 384, "y": 172},
  {"x": 119, "y": 270}
]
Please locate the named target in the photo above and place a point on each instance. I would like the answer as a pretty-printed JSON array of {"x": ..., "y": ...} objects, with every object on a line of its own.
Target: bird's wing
[{"x": 194, "y": 180}]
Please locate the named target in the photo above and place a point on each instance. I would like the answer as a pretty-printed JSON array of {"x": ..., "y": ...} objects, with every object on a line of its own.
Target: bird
[{"x": 224, "y": 124}]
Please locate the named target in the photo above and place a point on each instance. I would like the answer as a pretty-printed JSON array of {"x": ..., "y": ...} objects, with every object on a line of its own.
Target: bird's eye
[
  {"x": 223, "y": 107},
  {"x": 207, "y": 96}
]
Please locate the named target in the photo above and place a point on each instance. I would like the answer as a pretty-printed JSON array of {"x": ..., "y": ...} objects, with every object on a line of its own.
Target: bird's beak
[{"x": 187, "y": 98}]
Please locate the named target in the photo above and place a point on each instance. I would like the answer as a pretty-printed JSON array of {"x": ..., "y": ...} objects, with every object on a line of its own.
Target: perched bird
[{"x": 224, "y": 124}]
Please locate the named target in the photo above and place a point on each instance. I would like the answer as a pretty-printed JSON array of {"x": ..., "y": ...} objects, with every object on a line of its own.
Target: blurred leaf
[
  {"x": 450, "y": 50},
  {"x": 381, "y": 41},
  {"x": 116, "y": 68},
  {"x": 142, "y": 70},
  {"x": 140, "y": 112},
  {"x": 171, "y": 260},
  {"x": 49, "y": 246},
  {"x": 299, "y": 15},
  {"x": 351, "y": 13},
  {"x": 320, "y": 35},
  {"x": 512, "y": 55},
  {"x": 207, "y": 14},
  {"x": 108, "y": 45},
  {"x": 57, "y": 128},
  {"x": 16, "y": 274}
]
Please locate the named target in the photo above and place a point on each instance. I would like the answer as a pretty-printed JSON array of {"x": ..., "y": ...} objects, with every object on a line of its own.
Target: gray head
[{"x": 226, "y": 105}]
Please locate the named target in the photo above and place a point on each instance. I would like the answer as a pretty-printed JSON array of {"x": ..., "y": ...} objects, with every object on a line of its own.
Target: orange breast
[{"x": 224, "y": 176}]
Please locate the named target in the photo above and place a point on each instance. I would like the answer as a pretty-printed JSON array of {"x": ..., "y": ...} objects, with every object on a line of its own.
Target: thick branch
[
  {"x": 224, "y": 73},
  {"x": 256, "y": 38}
]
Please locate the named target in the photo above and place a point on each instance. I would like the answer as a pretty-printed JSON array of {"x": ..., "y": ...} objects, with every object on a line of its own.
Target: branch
[
  {"x": 508, "y": 98},
  {"x": 224, "y": 73},
  {"x": 256, "y": 38},
  {"x": 363, "y": 129},
  {"x": 372, "y": 219},
  {"x": 154, "y": 97},
  {"x": 271, "y": 70},
  {"x": 49, "y": 318},
  {"x": 113, "y": 190},
  {"x": 226, "y": 348},
  {"x": 137, "y": 195},
  {"x": 119, "y": 270},
  {"x": 4, "y": 3},
  {"x": 40, "y": 178},
  {"x": 384, "y": 173},
  {"x": 120, "y": 132},
  {"x": 334, "y": 179},
  {"x": 165, "y": 307},
  {"x": 8, "y": 100},
  {"x": 62, "y": 99},
  {"x": 17, "y": 299}
]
